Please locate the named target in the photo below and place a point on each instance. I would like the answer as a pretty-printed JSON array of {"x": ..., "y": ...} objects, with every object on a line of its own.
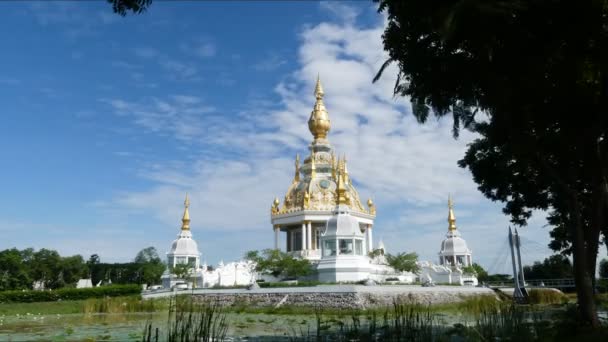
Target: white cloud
[
  {"x": 183, "y": 117},
  {"x": 270, "y": 62}
]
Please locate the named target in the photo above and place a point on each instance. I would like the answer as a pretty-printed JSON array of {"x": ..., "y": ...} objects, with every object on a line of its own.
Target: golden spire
[
  {"x": 333, "y": 166},
  {"x": 313, "y": 168},
  {"x": 296, "y": 177},
  {"x": 451, "y": 217},
  {"x": 343, "y": 197},
  {"x": 346, "y": 179},
  {"x": 319, "y": 123},
  {"x": 186, "y": 217}
]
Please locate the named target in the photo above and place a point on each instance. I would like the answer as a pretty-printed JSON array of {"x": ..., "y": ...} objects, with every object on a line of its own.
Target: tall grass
[
  {"x": 190, "y": 321},
  {"x": 546, "y": 296},
  {"x": 120, "y": 305}
]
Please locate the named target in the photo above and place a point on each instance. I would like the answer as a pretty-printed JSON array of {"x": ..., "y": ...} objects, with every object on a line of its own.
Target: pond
[{"x": 130, "y": 326}]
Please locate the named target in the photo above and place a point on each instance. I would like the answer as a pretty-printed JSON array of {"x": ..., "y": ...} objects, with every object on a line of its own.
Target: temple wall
[{"x": 333, "y": 296}]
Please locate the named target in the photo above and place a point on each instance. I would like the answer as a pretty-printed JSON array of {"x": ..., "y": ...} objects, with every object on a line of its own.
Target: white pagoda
[
  {"x": 312, "y": 197},
  {"x": 454, "y": 250},
  {"x": 184, "y": 251}
]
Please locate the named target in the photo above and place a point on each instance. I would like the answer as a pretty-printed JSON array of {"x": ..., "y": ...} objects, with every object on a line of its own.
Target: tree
[
  {"x": 279, "y": 264},
  {"x": 538, "y": 73},
  {"x": 181, "y": 270},
  {"x": 604, "y": 268},
  {"x": 93, "y": 260},
  {"x": 73, "y": 268},
  {"x": 403, "y": 262},
  {"x": 122, "y": 7},
  {"x": 46, "y": 267},
  {"x": 13, "y": 271},
  {"x": 146, "y": 255},
  {"x": 151, "y": 267},
  {"x": 554, "y": 267},
  {"x": 477, "y": 270}
]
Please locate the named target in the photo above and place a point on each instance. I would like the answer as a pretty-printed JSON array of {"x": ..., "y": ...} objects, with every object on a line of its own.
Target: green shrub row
[{"x": 30, "y": 296}]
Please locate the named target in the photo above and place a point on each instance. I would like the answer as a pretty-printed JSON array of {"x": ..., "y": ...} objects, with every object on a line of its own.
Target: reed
[
  {"x": 547, "y": 296},
  {"x": 120, "y": 305},
  {"x": 190, "y": 321}
]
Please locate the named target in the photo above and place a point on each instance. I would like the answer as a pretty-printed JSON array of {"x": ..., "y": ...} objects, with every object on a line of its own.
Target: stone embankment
[{"x": 332, "y": 296}]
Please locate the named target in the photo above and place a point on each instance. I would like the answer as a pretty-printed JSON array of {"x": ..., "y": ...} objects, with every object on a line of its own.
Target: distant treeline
[{"x": 23, "y": 269}]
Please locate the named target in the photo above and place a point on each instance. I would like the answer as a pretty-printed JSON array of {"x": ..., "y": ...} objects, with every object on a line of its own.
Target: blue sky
[{"x": 108, "y": 121}]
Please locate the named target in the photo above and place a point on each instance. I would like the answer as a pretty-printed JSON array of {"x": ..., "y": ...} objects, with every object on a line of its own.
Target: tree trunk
[{"x": 583, "y": 278}]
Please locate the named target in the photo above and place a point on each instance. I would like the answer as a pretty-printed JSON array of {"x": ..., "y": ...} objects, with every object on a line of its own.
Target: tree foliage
[
  {"x": 478, "y": 271},
  {"x": 554, "y": 267},
  {"x": 123, "y": 7},
  {"x": 403, "y": 262},
  {"x": 181, "y": 270},
  {"x": 20, "y": 269},
  {"x": 537, "y": 72},
  {"x": 146, "y": 255},
  {"x": 279, "y": 264},
  {"x": 147, "y": 268}
]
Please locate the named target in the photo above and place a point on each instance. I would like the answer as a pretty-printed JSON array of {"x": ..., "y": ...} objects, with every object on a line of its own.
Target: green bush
[{"x": 30, "y": 296}]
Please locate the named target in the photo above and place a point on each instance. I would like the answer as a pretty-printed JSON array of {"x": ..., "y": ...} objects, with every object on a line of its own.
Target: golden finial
[
  {"x": 275, "y": 206},
  {"x": 343, "y": 197},
  {"x": 451, "y": 216},
  {"x": 313, "y": 168},
  {"x": 319, "y": 123},
  {"x": 186, "y": 217},
  {"x": 319, "y": 88},
  {"x": 371, "y": 206},
  {"x": 296, "y": 177}
]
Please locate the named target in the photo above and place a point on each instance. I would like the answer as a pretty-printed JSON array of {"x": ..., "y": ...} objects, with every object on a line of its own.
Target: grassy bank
[{"x": 124, "y": 304}]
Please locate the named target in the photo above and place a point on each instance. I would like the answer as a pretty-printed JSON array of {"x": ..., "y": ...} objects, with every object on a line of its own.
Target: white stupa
[
  {"x": 343, "y": 256},
  {"x": 454, "y": 250},
  {"x": 184, "y": 251}
]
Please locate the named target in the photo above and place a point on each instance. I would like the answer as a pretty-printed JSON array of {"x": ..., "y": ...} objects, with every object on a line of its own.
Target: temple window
[
  {"x": 329, "y": 248},
  {"x": 359, "y": 247},
  {"x": 346, "y": 246},
  {"x": 192, "y": 261}
]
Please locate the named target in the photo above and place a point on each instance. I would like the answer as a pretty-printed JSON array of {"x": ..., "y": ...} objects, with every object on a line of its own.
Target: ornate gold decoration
[
  {"x": 346, "y": 179},
  {"x": 333, "y": 166},
  {"x": 371, "y": 206},
  {"x": 451, "y": 216},
  {"x": 296, "y": 177},
  {"x": 319, "y": 123},
  {"x": 316, "y": 185},
  {"x": 306, "y": 200},
  {"x": 343, "y": 197},
  {"x": 186, "y": 217},
  {"x": 275, "y": 206}
]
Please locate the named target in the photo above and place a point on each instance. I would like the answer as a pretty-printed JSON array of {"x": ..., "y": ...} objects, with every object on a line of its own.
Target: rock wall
[{"x": 341, "y": 300}]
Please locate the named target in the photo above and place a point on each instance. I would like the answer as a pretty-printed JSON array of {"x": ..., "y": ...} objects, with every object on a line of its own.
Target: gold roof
[
  {"x": 321, "y": 182},
  {"x": 186, "y": 217}
]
